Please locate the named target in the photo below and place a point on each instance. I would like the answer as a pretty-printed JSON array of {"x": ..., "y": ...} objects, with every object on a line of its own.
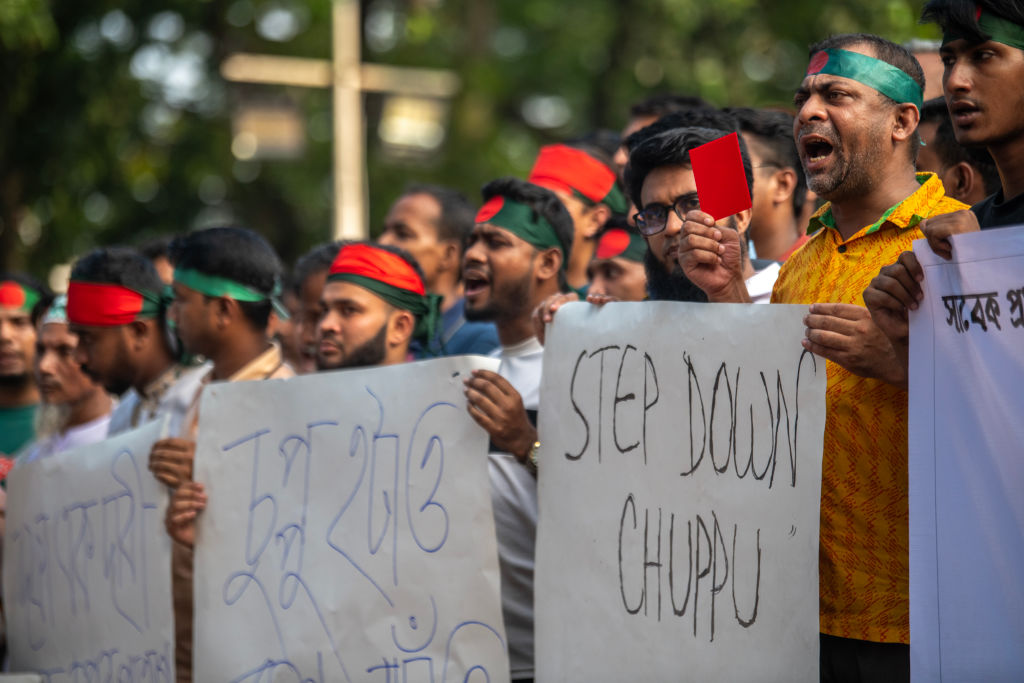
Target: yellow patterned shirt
[{"x": 864, "y": 555}]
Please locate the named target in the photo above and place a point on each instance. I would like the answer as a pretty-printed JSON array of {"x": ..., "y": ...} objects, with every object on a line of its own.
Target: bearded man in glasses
[{"x": 660, "y": 179}]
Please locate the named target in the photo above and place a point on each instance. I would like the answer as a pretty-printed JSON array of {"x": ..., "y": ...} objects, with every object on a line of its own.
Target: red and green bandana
[
  {"x": 522, "y": 221},
  {"x": 215, "y": 285},
  {"x": 887, "y": 79},
  {"x": 619, "y": 243},
  {"x": 390, "y": 277},
  {"x": 16, "y": 295},
  {"x": 996, "y": 28},
  {"x": 105, "y": 304},
  {"x": 573, "y": 171}
]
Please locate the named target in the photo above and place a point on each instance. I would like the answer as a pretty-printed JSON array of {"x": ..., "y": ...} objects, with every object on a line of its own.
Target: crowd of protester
[{"x": 842, "y": 183}]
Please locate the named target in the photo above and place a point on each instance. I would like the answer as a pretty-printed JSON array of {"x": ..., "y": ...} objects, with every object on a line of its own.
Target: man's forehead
[
  {"x": 12, "y": 313},
  {"x": 665, "y": 183}
]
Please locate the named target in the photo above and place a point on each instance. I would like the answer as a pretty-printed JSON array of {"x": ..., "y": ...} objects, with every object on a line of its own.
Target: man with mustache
[
  {"x": 75, "y": 410},
  {"x": 116, "y": 310},
  {"x": 856, "y": 131},
  {"x": 983, "y": 53},
  {"x": 516, "y": 257}
]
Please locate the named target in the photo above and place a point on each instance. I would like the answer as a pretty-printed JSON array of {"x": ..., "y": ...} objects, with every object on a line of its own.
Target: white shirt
[
  {"x": 170, "y": 394},
  {"x": 90, "y": 432},
  {"x": 761, "y": 283},
  {"x": 514, "y": 499}
]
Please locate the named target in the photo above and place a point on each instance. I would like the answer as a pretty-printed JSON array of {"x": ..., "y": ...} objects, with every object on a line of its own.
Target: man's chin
[{"x": 480, "y": 313}]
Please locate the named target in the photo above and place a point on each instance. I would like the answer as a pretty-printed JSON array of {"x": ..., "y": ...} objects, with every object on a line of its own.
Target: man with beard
[
  {"x": 515, "y": 258},
  {"x": 373, "y": 305},
  {"x": 582, "y": 178},
  {"x": 983, "y": 52},
  {"x": 431, "y": 223},
  {"x": 22, "y": 301},
  {"x": 856, "y": 130},
  {"x": 75, "y": 410},
  {"x": 116, "y": 310}
]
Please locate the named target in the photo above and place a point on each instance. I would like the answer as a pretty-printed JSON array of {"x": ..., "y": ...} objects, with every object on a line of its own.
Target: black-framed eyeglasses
[{"x": 654, "y": 217}]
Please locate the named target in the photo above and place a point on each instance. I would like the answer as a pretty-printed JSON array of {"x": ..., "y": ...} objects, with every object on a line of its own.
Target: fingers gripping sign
[
  {"x": 938, "y": 229},
  {"x": 545, "y": 312},
  {"x": 170, "y": 461},
  {"x": 187, "y": 502},
  {"x": 894, "y": 292},
  {"x": 846, "y": 335},
  {"x": 497, "y": 407}
]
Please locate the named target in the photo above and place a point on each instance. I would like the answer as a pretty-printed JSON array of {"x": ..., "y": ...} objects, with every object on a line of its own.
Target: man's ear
[
  {"x": 963, "y": 180},
  {"x": 225, "y": 311},
  {"x": 740, "y": 220},
  {"x": 907, "y": 118},
  {"x": 138, "y": 332},
  {"x": 596, "y": 217},
  {"x": 401, "y": 325},
  {"x": 784, "y": 185},
  {"x": 548, "y": 263},
  {"x": 451, "y": 256}
]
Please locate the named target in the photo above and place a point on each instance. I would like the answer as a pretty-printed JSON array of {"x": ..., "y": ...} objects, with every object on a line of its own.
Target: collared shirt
[
  {"x": 864, "y": 555},
  {"x": 268, "y": 365},
  {"x": 172, "y": 393}
]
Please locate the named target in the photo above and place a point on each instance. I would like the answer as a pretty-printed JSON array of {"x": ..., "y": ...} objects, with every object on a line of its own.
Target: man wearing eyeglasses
[{"x": 661, "y": 181}]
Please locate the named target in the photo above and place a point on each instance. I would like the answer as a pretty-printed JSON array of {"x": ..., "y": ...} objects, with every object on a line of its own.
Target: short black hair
[
  {"x": 672, "y": 148},
  {"x": 667, "y": 103},
  {"x": 706, "y": 117},
  {"x": 888, "y": 52},
  {"x": 773, "y": 130},
  {"x": 544, "y": 204},
  {"x": 316, "y": 260},
  {"x": 45, "y": 295},
  {"x": 457, "y": 214},
  {"x": 158, "y": 247},
  {"x": 601, "y": 142},
  {"x": 235, "y": 253},
  {"x": 959, "y": 17},
  {"x": 951, "y": 152},
  {"x": 118, "y": 265}
]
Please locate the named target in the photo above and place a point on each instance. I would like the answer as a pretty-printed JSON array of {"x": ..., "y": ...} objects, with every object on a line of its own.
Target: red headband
[
  {"x": 102, "y": 305},
  {"x": 563, "y": 168},
  {"x": 377, "y": 264}
]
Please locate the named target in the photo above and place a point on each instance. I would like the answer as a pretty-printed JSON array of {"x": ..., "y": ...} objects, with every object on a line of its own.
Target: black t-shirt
[{"x": 993, "y": 212}]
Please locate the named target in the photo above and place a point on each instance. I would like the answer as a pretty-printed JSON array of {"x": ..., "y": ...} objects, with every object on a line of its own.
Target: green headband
[
  {"x": 522, "y": 221},
  {"x": 213, "y": 285},
  {"x": 887, "y": 79},
  {"x": 998, "y": 29},
  {"x": 614, "y": 200},
  {"x": 426, "y": 308}
]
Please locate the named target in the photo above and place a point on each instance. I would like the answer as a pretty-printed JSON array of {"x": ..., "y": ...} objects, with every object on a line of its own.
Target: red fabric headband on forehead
[
  {"x": 560, "y": 167},
  {"x": 102, "y": 304},
  {"x": 377, "y": 264}
]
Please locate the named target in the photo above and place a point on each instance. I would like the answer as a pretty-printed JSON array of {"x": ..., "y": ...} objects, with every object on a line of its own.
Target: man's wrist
[{"x": 733, "y": 293}]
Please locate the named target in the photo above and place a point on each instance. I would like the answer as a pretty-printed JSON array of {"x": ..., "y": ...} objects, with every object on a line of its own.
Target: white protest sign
[
  {"x": 966, "y": 472},
  {"x": 87, "y": 565},
  {"x": 680, "y": 479},
  {"x": 349, "y": 533}
]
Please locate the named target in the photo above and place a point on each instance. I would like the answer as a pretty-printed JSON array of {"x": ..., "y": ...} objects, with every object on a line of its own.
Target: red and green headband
[
  {"x": 619, "y": 243},
  {"x": 996, "y": 28},
  {"x": 103, "y": 304},
  {"x": 390, "y": 277},
  {"x": 522, "y": 221},
  {"x": 16, "y": 295},
  {"x": 573, "y": 171},
  {"x": 887, "y": 79}
]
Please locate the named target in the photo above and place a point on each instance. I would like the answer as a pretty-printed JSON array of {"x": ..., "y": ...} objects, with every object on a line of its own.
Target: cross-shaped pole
[{"x": 349, "y": 78}]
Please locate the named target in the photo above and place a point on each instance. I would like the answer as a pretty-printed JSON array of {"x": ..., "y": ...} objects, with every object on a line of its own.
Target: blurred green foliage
[{"x": 116, "y": 127}]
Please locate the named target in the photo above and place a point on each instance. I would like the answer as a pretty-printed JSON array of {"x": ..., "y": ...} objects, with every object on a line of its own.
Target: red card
[{"x": 718, "y": 171}]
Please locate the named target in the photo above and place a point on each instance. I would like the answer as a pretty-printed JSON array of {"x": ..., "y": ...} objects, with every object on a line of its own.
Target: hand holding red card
[{"x": 721, "y": 182}]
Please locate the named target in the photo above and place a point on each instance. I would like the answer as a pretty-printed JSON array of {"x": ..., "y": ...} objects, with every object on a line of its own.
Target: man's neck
[
  {"x": 450, "y": 290},
  {"x": 234, "y": 354},
  {"x": 153, "y": 368},
  {"x": 851, "y": 214},
  {"x": 776, "y": 236},
  {"x": 579, "y": 259},
  {"x": 94, "y": 406},
  {"x": 16, "y": 395},
  {"x": 1009, "y": 158}
]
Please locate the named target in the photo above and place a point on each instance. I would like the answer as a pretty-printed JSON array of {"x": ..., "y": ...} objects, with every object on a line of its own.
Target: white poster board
[
  {"x": 349, "y": 533},
  {"x": 680, "y": 481},
  {"x": 87, "y": 565},
  {"x": 966, "y": 467}
]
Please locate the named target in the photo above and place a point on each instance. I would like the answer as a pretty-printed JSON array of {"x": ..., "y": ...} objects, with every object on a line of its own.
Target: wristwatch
[{"x": 531, "y": 458}]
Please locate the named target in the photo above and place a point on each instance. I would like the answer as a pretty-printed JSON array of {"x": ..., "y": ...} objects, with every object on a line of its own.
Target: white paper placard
[
  {"x": 966, "y": 471},
  {"x": 349, "y": 533},
  {"x": 87, "y": 565},
  {"x": 666, "y": 551}
]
